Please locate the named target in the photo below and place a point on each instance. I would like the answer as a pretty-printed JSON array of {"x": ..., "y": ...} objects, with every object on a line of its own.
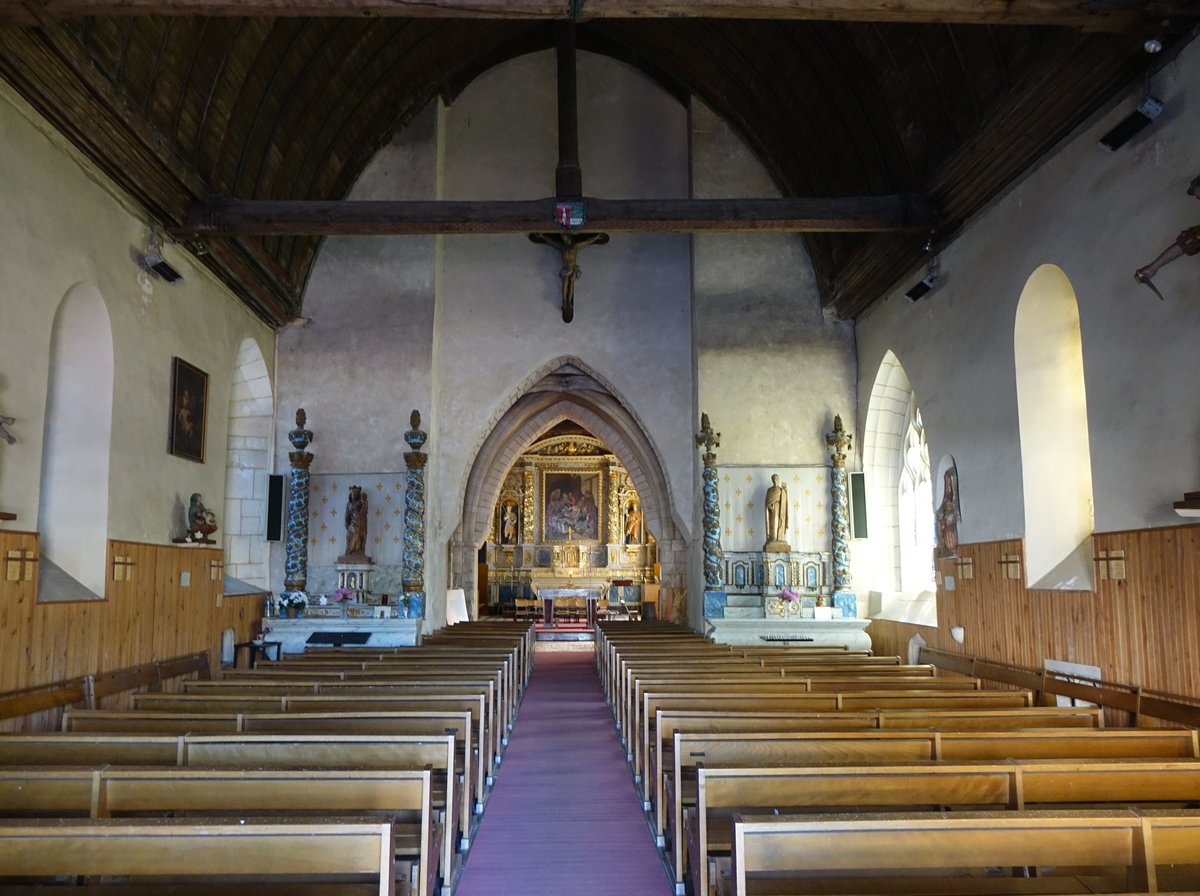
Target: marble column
[
  {"x": 709, "y": 441},
  {"x": 413, "y": 574},
  {"x": 295, "y": 565},
  {"x": 839, "y": 442}
]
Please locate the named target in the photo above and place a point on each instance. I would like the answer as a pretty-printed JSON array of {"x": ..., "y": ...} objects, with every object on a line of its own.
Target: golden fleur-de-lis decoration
[
  {"x": 378, "y": 540},
  {"x": 818, "y": 477},
  {"x": 378, "y": 486},
  {"x": 316, "y": 487},
  {"x": 333, "y": 513},
  {"x": 749, "y": 478},
  {"x": 738, "y": 492},
  {"x": 750, "y": 532},
  {"x": 728, "y": 533},
  {"x": 728, "y": 506},
  {"x": 324, "y": 500},
  {"x": 820, "y": 505},
  {"x": 396, "y": 512},
  {"x": 333, "y": 486},
  {"x": 387, "y": 526},
  {"x": 397, "y": 486},
  {"x": 314, "y": 541},
  {"x": 728, "y": 478},
  {"x": 749, "y": 505},
  {"x": 738, "y": 518},
  {"x": 378, "y": 512},
  {"x": 395, "y": 539},
  {"x": 324, "y": 528},
  {"x": 388, "y": 498},
  {"x": 332, "y": 540},
  {"x": 808, "y": 493}
]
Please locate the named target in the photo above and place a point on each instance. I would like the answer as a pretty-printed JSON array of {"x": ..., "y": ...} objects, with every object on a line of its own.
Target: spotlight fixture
[
  {"x": 925, "y": 285},
  {"x": 154, "y": 262},
  {"x": 1132, "y": 124},
  {"x": 1153, "y": 45}
]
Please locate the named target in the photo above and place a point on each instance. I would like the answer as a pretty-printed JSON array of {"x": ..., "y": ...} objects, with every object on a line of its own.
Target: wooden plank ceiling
[{"x": 940, "y": 101}]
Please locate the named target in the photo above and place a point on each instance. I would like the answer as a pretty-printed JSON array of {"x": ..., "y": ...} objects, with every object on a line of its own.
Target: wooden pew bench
[
  {"x": 452, "y": 701},
  {"x": 668, "y": 722},
  {"x": 336, "y": 857},
  {"x": 402, "y": 798},
  {"x": 725, "y": 749},
  {"x": 768, "y": 697},
  {"x": 265, "y": 751},
  {"x": 723, "y": 793},
  {"x": 1133, "y": 850},
  {"x": 427, "y": 722}
]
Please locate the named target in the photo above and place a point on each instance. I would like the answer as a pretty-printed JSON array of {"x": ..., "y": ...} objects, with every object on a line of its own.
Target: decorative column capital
[
  {"x": 839, "y": 442},
  {"x": 413, "y": 561},
  {"x": 708, "y": 440},
  {"x": 416, "y": 436}
]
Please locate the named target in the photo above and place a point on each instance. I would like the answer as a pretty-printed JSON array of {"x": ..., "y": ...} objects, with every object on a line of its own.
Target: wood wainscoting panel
[
  {"x": 1140, "y": 630},
  {"x": 147, "y": 616}
]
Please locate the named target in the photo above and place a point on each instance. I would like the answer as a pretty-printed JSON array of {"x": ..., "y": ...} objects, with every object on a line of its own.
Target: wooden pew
[
  {"x": 1136, "y": 846},
  {"x": 219, "y": 851},
  {"x": 458, "y": 724},
  {"x": 267, "y": 751},
  {"x": 404, "y": 797},
  {"x": 395, "y": 702},
  {"x": 668, "y": 722},
  {"x": 724, "y": 792},
  {"x": 768, "y": 697},
  {"x": 806, "y": 748}
]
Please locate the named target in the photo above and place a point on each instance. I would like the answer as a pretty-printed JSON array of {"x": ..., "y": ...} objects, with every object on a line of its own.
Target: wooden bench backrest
[
  {"x": 106, "y": 793},
  {"x": 212, "y": 848},
  {"x": 935, "y": 843}
]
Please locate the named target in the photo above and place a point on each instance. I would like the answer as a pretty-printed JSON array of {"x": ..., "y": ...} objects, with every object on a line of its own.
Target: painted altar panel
[{"x": 571, "y": 502}]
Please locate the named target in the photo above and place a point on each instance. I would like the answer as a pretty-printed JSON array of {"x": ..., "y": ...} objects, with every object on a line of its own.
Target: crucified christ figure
[{"x": 569, "y": 245}]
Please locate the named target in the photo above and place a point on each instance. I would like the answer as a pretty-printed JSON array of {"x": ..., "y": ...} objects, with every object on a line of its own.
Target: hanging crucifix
[
  {"x": 568, "y": 179},
  {"x": 569, "y": 245}
]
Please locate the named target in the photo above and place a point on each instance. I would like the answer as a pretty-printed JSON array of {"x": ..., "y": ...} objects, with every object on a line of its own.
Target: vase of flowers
[
  {"x": 292, "y": 604},
  {"x": 342, "y": 595}
]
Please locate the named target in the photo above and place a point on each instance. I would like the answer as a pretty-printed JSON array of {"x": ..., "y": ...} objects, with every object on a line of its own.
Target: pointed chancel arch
[
  {"x": 73, "y": 509},
  {"x": 251, "y": 406},
  {"x": 565, "y": 389},
  {"x": 1056, "y": 465},
  {"x": 899, "y": 498}
]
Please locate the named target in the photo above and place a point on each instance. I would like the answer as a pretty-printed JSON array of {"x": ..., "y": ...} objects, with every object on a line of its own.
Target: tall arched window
[
  {"x": 73, "y": 504},
  {"x": 899, "y": 499},
  {"x": 251, "y": 405},
  {"x": 916, "y": 529},
  {"x": 1056, "y": 465}
]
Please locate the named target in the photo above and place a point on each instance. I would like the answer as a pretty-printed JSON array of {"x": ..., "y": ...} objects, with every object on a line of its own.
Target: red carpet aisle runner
[{"x": 563, "y": 817}]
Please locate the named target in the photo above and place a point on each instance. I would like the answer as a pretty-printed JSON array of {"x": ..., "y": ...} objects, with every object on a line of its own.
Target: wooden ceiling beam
[
  {"x": 327, "y": 218},
  {"x": 1089, "y": 15}
]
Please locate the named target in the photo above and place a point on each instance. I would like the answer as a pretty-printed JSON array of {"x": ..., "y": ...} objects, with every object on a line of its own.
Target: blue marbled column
[
  {"x": 413, "y": 575},
  {"x": 839, "y": 442},
  {"x": 713, "y": 555},
  {"x": 296, "y": 564}
]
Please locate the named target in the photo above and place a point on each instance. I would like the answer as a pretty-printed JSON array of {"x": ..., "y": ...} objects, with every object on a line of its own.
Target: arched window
[
  {"x": 251, "y": 405},
  {"x": 1056, "y": 466},
  {"x": 900, "y": 569},
  {"x": 916, "y": 523},
  {"x": 73, "y": 504}
]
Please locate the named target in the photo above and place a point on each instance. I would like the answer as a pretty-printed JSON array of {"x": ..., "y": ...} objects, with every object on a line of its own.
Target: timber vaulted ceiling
[{"x": 194, "y": 107}]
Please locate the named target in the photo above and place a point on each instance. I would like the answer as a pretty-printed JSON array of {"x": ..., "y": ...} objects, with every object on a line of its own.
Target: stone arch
[
  {"x": 247, "y": 465},
  {"x": 565, "y": 389},
  {"x": 73, "y": 510}
]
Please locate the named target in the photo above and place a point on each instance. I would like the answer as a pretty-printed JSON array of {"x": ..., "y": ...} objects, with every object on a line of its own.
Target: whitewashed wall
[
  {"x": 64, "y": 225},
  {"x": 1099, "y": 216}
]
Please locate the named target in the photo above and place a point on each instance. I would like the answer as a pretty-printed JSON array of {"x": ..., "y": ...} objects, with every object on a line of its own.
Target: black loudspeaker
[
  {"x": 274, "y": 508},
  {"x": 858, "y": 505}
]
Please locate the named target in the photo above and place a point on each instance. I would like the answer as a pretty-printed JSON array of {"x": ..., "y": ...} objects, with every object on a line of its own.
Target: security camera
[{"x": 923, "y": 287}]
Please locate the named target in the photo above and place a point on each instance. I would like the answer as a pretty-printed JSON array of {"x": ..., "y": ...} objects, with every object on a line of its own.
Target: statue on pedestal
[
  {"x": 776, "y": 506},
  {"x": 356, "y": 527}
]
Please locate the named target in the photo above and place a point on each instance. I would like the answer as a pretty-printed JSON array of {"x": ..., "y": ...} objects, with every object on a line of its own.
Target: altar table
[{"x": 549, "y": 595}]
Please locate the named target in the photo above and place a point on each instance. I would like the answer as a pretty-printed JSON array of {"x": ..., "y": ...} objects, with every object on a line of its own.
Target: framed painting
[
  {"x": 571, "y": 505},
  {"x": 189, "y": 408}
]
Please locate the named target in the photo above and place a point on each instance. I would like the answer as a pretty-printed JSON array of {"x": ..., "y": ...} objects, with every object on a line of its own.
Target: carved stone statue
[
  {"x": 1187, "y": 243},
  {"x": 776, "y": 507},
  {"x": 509, "y": 535},
  {"x": 356, "y": 527}
]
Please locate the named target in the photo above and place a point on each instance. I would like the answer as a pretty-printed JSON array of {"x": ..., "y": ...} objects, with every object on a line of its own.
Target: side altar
[{"x": 358, "y": 625}]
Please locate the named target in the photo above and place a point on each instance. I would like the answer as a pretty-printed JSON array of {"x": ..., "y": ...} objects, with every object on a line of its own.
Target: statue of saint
[
  {"x": 633, "y": 524},
  {"x": 776, "y": 506},
  {"x": 356, "y": 526},
  {"x": 509, "y": 535}
]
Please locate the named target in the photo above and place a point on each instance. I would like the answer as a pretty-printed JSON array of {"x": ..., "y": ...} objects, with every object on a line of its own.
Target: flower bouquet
[
  {"x": 292, "y": 603},
  {"x": 342, "y": 594}
]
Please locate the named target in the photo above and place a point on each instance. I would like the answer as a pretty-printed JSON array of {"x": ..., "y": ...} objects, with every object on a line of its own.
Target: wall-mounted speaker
[
  {"x": 274, "y": 508},
  {"x": 858, "y": 505}
]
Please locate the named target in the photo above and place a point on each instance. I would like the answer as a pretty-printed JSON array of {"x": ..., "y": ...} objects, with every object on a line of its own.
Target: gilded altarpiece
[{"x": 568, "y": 514}]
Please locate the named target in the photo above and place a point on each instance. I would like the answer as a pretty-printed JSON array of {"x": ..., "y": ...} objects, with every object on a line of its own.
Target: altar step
[{"x": 744, "y": 606}]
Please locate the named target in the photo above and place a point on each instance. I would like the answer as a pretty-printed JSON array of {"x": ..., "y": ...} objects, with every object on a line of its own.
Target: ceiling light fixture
[{"x": 153, "y": 262}]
